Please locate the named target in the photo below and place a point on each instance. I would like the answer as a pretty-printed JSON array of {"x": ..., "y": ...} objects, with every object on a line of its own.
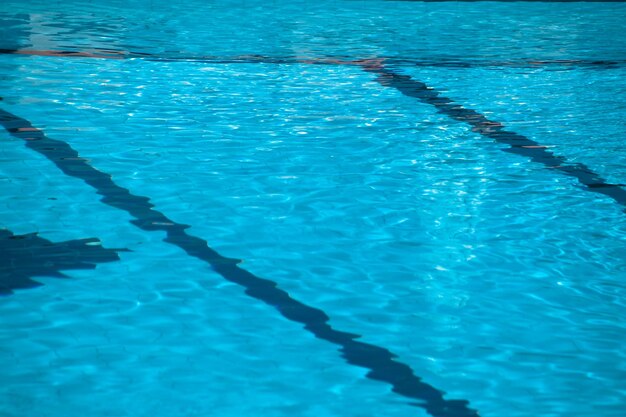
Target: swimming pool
[{"x": 338, "y": 208}]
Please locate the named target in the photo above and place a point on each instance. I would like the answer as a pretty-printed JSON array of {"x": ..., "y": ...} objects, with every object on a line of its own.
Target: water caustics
[{"x": 386, "y": 70}]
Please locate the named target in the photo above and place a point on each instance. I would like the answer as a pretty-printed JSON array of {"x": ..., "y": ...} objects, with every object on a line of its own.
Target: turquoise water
[{"x": 498, "y": 279}]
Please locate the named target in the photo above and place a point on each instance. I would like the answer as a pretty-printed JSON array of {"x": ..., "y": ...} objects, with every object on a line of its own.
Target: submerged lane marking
[
  {"x": 519, "y": 144},
  {"x": 378, "y": 360}
]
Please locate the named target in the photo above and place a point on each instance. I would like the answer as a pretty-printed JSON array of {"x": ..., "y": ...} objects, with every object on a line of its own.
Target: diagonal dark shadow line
[
  {"x": 518, "y": 144},
  {"x": 379, "y": 361}
]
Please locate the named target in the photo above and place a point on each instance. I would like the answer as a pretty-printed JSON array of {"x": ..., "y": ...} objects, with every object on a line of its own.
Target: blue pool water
[{"x": 331, "y": 208}]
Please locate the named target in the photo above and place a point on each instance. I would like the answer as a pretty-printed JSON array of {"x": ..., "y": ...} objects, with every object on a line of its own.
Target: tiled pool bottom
[{"x": 493, "y": 276}]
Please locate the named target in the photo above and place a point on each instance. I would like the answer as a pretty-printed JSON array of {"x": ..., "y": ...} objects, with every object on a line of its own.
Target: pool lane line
[
  {"x": 518, "y": 144},
  {"x": 451, "y": 63},
  {"x": 379, "y": 361}
]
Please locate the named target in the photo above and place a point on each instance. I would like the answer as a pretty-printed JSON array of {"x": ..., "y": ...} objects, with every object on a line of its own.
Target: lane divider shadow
[{"x": 380, "y": 362}]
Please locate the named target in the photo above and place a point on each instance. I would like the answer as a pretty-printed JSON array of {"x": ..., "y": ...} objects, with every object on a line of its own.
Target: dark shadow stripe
[
  {"x": 24, "y": 257},
  {"x": 454, "y": 63},
  {"x": 519, "y": 144},
  {"x": 379, "y": 361}
]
